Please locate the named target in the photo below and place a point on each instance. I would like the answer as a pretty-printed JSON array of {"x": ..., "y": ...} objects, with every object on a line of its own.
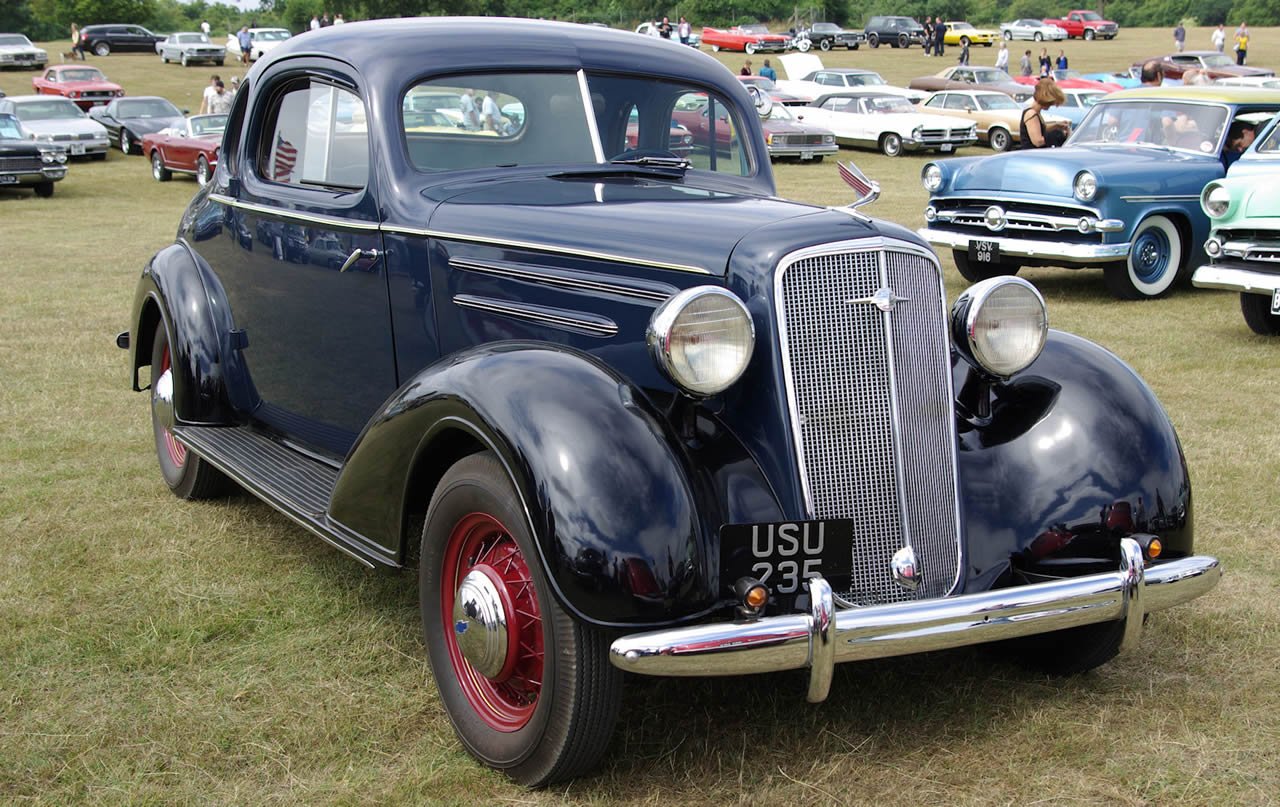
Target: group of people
[
  {"x": 683, "y": 30},
  {"x": 767, "y": 70},
  {"x": 323, "y": 20},
  {"x": 935, "y": 32},
  {"x": 217, "y": 97}
]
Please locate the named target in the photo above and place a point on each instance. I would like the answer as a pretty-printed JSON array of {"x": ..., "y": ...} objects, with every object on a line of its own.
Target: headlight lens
[
  {"x": 1216, "y": 200},
  {"x": 702, "y": 339},
  {"x": 931, "y": 176},
  {"x": 1001, "y": 324},
  {"x": 1085, "y": 187},
  {"x": 917, "y": 133},
  {"x": 46, "y": 157},
  {"x": 828, "y": 139}
]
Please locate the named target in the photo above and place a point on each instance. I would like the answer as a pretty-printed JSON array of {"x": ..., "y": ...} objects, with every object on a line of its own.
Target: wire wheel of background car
[
  {"x": 873, "y": 40},
  {"x": 1089, "y": 34},
  {"x": 1257, "y": 314},
  {"x": 186, "y": 474},
  {"x": 43, "y": 189},
  {"x": 528, "y": 689},
  {"x": 1067, "y": 652},
  {"x": 998, "y": 138},
  {"x": 750, "y": 48},
  {"x": 890, "y": 144},
  {"x": 102, "y": 49},
  {"x": 1039, "y": 37},
  {"x": 158, "y": 170},
  {"x": 184, "y": 60},
  {"x": 976, "y": 272},
  {"x": 825, "y": 44},
  {"x": 1155, "y": 258},
  {"x": 904, "y": 41},
  {"x": 203, "y": 174},
  {"x": 124, "y": 140}
]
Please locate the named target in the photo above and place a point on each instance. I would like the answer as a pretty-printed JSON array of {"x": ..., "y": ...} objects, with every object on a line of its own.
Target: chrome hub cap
[{"x": 480, "y": 623}]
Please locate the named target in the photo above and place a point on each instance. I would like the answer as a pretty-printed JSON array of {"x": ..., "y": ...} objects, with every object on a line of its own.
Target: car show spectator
[
  {"x": 1152, "y": 74},
  {"x": 1195, "y": 77},
  {"x": 1002, "y": 57},
  {"x": 684, "y": 31},
  {"x": 1179, "y": 38},
  {"x": 204, "y": 27},
  {"x": 491, "y": 116},
  {"x": 664, "y": 27},
  {"x": 1062, "y": 60},
  {"x": 208, "y": 93},
  {"x": 246, "y": 43},
  {"x": 337, "y": 19},
  {"x": 76, "y": 46},
  {"x": 746, "y": 68},
  {"x": 1025, "y": 64},
  {"x": 470, "y": 112},
  {"x": 928, "y": 36},
  {"x": 768, "y": 72},
  {"x": 1046, "y": 64},
  {"x": 939, "y": 37},
  {"x": 325, "y": 22},
  {"x": 315, "y": 22},
  {"x": 964, "y": 53},
  {"x": 220, "y": 101},
  {"x": 1242, "y": 44},
  {"x": 1219, "y": 38},
  {"x": 1035, "y": 134}
]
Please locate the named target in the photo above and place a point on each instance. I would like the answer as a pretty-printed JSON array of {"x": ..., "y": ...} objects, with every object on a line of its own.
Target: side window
[
  {"x": 318, "y": 136},
  {"x": 937, "y": 101},
  {"x": 715, "y": 136}
]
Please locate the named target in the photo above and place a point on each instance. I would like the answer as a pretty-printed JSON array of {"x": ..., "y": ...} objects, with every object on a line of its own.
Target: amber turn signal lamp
[
  {"x": 756, "y": 597},
  {"x": 1154, "y": 548},
  {"x": 753, "y": 595}
]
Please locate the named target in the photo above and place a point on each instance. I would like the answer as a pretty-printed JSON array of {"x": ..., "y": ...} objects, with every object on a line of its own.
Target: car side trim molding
[
  {"x": 577, "y": 281},
  {"x": 1174, "y": 197},
  {"x": 294, "y": 215},
  {"x": 556, "y": 317}
]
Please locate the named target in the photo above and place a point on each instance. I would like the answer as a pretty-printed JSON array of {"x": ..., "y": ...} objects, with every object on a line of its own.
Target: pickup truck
[{"x": 1086, "y": 24}]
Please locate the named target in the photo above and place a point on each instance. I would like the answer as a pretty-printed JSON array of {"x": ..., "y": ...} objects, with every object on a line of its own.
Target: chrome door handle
[{"x": 356, "y": 255}]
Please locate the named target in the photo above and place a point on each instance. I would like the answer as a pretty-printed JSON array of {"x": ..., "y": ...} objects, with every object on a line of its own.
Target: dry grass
[{"x": 159, "y": 652}]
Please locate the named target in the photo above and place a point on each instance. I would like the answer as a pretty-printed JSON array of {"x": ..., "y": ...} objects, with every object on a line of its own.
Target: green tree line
[{"x": 49, "y": 20}]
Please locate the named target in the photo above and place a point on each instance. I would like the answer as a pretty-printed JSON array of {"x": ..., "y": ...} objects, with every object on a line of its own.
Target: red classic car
[
  {"x": 84, "y": 85},
  {"x": 190, "y": 148},
  {"x": 749, "y": 38},
  {"x": 1072, "y": 80}
]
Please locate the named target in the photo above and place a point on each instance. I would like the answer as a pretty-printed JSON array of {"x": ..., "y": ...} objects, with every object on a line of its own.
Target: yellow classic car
[{"x": 962, "y": 33}]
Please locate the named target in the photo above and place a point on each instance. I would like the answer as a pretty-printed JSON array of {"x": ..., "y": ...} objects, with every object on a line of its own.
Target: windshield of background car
[
  {"x": 1001, "y": 101},
  {"x": 888, "y": 104},
  {"x": 826, "y": 28},
  {"x": 149, "y": 108},
  {"x": 1171, "y": 124},
  {"x": 961, "y": 26},
  {"x": 82, "y": 74},
  {"x": 192, "y": 39},
  {"x": 865, "y": 79},
  {"x": 780, "y": 112},
  {"x": 990, "y": 76},
  {"x": 1218, "y": 60},
  {"x": 9, "y": 129},
  {"x": 15, "y": 40},
  {"x": 755, "y": 29},
  {"x": 271, "y": 36},
  {"x": 53, "y": 109},
  {"x": 208, "y": 124}
]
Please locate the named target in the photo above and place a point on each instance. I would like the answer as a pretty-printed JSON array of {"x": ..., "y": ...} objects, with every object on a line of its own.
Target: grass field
[{"x": 160, "y": 652}]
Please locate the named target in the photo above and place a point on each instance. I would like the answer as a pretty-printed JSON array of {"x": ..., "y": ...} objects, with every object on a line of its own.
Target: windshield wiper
[{"x": 671, "y": 163}]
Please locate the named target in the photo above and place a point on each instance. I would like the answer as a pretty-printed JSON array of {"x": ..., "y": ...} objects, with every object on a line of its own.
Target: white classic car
[
  {"x": 189, "y": 47},
  {"x": 17, "y": 51},
  {"x": 264, "y": 39},
  {"x": 887, "y": 122},
  {"x": 1036, "y": 30},
  {"x": 806, "y": 76},
  {"x": 50, "y": 119}
]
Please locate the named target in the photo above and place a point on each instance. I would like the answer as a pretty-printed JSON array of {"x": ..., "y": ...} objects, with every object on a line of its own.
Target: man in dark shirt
[
  {"x": 664, "y": 29},
  {"x": 939, "y": 34}
]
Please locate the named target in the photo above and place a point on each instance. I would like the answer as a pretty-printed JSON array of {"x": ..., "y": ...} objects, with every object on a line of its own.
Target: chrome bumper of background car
[
  {"x": 796, "y": 151},
  {"x": 825, "y": 636},
  {"x": 45, "y": 174},
  {"x": 1235, "y": 278},
  {"x": 1028, "y": 248}
]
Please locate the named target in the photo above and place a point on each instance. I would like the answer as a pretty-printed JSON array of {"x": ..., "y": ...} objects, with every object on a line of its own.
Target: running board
[{"x": 297, "y": 485}]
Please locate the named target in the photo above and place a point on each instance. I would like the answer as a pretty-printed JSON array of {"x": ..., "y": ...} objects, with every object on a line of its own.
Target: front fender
[
  {"x": 1078, "y": 452},
  {"x": 602, "y": 481}
]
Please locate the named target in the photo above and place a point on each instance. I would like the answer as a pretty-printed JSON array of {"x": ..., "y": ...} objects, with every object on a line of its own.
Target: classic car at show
[
  {"x": 1213, "y": 64},
  {"x": 807, "y": 76},
  {"x": 191, "y": 47},
  {"x": 1267, "y": 82},
  {"x": 262, "y": 40},
  {"x": 1244, "y": 246},
  {"x": 1085, "y": 24},
  {"x": 963, "y": 33},
  {"x": 128, "y": 119},
  {"x": 103, "y": 39},
  {"x": 828, "y": 35},
  {"x": 758, "y": 442},
  {"x": 1035, "y": 30},
  {"x": 86, "y": 86},
  {"x": 57, "y": 120},
  {"x": 189, "y": 147},
  {"x": 894, "y": 31},
  {"x": 998, "y": 116},
  {"x": 17, "y": 51},
  {"x": 25, "y": 163},
  {"x": 779, "y": 95},
  {"x": 1123, "y": 194},
  {"x": 788, "y": 135},
  {"x": 746, "y": 38},
  {"x": 888, "y": 122},
  {"x": 964, "y": 77}
]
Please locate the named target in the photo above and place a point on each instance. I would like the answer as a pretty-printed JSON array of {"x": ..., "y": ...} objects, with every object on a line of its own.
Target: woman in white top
[{"x": 1002, "y": 58}]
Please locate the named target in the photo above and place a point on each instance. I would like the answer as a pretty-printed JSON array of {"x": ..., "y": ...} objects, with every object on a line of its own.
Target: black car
[
  {"x": 102, "y": 39},
  {"x": 757, "y": 442},
  {"x": 897, "y": 32},
  {"x": 25, "y": 163},
  {"x": 128, "y": 119},
  {"x": 826, "y": 35}
]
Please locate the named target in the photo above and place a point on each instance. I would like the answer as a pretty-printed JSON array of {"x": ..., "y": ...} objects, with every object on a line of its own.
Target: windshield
[
  {"x": 275, "y": 35},
  {"x": 1061, "y": 74},
  {"x": 1088, "y": 99},
  {"x": 961, "y": 26},
  {"x": 208, "y": 124},
  {"x": 9, "y": 128},
  {"x": 780, "y": 112},
  {"x": 755, "y": 29},
  {"x": 1092, "y": 16},
  {"x": 52, "y": 109},
  {"x": 148, "y": 108},
  {"x": 865, "y": 79},
  {"x": 1172, "y": 124},
  {"x": 82, "y": 74},
  {"x": 192, "y": 38},
  {"x": 1001, "y": 101},
  {"x": 14, "y": 40},
  {"x": 826, "y": 27},
  {"x": 509, "y": 119},
  {"x": 990, "y": 76},
  {"x": 888, "y": 104},
  {"x": 763, "y": 82}
]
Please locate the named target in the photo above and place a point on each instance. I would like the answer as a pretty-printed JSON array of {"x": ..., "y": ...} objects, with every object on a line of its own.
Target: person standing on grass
[
  {"x": 1242, "y": 43},
  {"x": 214, "y": 80},
  {"x": 315, "y": 22},
  {"x": 1025, "y": 64},
  {"x": 964, "y": 54},
  {"x": 768, "y": 72},
  {"x": 939, "y": 37},
  {"x": 684, "y": 31},
  {"x": 1062, "y": 60},
  {"x": 1046, "y": 66},
  {"x": 1219, "y": 38},
  {"x": 1002, "y": 58},
  {"x": 204, "y": 27},
  {"x": 1179, "y": 38},
  {"x": 220, "y": 101},
  {"x": 246, "y": 43},
  {"x": 76, "y": 46},
  {"x": 928, "y": 36}
]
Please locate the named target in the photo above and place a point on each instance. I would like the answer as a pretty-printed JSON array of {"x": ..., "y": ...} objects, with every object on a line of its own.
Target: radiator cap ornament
[{"x": 906, "y": 570}]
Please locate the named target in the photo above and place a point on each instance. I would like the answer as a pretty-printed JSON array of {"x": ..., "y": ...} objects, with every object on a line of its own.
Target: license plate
[
  {"x": 806, "y": 155},
  {"x": 77, "y": 148},
  {"x": 945, "y": 148},
  {"x": 783, "y": 555},
  {"x": 8, "y": 179},
  {"x": 984, "y": 252},
  {"x": 1275, "y": 302}
]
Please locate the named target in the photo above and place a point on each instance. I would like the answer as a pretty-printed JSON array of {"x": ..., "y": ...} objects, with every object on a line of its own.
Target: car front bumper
[
  {"x": 911, "y": 144},
  {"x": 1236, "y": 276},
  {"x": 825, "y": 636},
  {"x": 1064, "y": 251},
  {"x": 50, "y": 173},
  {"x": 801, "y": 151}
]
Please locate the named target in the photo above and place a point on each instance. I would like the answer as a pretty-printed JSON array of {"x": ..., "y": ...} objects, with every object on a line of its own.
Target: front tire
[
  {"x": 1089, "y": 34},
  {"x": 715, "y": 48},
  {"x": 163, "y": 59},
  {"x": 125, "y": 147},
  {"x": 1153, "y": 265},
  {"x": 825, "y": 44},
  {"x": 874, "y": 40},
  {"x": 545, "y": 706},
  {"x": 750, "y": 48},
  {"x": 1008, "y": 36},
  {"x": 187, "y": 475},
  {"x": 1257, "y": 314},
  {"x": 203, "y": 174},
  {"x": 43, "y": 189},
  {"x": 158, "y": 171},
  {"x": 904, "y": 41},
  {"x": 964, "y": 41},
  {"x": 804, "y": 45},
  {"x": 185, "y": 60},
  {"x": 890, "y": 144},
  {"x": 999, "y": 139},
  {"x": 1039, "y": 37}
]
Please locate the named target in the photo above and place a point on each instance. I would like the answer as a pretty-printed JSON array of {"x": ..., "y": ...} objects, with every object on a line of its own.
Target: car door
[{"x": 301, "y": 258}]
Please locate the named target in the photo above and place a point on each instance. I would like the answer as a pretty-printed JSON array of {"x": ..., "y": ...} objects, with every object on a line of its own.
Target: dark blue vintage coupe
[{"x": 624, "y": 409}]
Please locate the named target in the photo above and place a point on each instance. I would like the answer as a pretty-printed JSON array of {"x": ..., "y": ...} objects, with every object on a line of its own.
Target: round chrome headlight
[
  {"x": 828, "y": 139},
  {"x": 46, "y": 157},
  {"x": 702, "y": 339},
  {"x": 1085, "y": 187},
  {"x": 1216, "y": 200},
  {"x": 917, "y": 133},
  {"x": 931, "y": 176},
  {"x": 1000, "y": 324}
]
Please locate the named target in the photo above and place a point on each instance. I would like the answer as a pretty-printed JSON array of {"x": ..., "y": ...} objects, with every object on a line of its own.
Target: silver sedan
[
  {"x": 1037, "y": 30},
  {"x": 190, "y": 47}
]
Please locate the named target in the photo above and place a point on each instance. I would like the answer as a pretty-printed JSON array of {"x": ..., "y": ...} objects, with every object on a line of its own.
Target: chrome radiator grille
[{"x": 871, "y": 402}]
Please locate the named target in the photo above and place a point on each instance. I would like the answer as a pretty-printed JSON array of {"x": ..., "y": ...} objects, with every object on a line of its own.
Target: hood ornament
[
  {"x": 906, "y": 569},
  {"x": 867, "y": 190},
  {"x": 884, "y": 299}
]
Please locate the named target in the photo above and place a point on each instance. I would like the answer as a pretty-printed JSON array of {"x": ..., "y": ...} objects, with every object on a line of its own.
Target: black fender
[
  {"x": 173, "y": 289},
  {"x": 1077, "y": 453},
  {"x": 604, "y": 483}
]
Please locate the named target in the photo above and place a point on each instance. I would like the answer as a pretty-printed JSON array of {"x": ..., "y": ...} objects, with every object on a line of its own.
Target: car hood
[
  {"x": 82, "y": 86},
  {"x": 1052, "y": 171},
  {"x": 662, "y": 221},
  {"x": 141, "y": 126},
  {"x": 22, "y": 49},
  {"x": 16, "y": 148},
  {"x": 75, "y": 126},
  {"x": 792, "y": 127},
  {"x": 798, "y": 65},
  {"x": 910, "y": 120}
]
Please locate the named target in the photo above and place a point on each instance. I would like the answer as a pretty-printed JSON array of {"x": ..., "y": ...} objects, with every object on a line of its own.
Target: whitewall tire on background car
[{"x": 1153, "y": 264}]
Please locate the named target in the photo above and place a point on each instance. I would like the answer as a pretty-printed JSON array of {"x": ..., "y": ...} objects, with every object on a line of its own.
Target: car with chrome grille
[
  {"x": 624, "y": 410},
  {"x": 57, "y": 120},
  {"x": 24, "y": 164},
  {"x": 86, "y": 86},
  {"x": 888, "y": 122},
  {"x": 1123, "y": 194},
  {"x": 17, "y": 51}
]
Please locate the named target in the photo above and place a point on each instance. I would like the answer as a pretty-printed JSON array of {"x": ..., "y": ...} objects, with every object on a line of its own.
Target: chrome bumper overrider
[
  {"x": 825, "y": 636},
  {"x": 1235, "y": 278},
  {"x": 1028, "y": 248}
]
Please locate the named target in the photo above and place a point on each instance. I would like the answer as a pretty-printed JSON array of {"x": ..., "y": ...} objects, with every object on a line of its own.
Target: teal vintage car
[
  {"x": 1122, "y": 195},
  {"x": 1245, "y": 244}
]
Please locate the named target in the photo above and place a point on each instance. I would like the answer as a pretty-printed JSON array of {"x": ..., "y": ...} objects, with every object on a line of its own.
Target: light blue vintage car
[
  {"x": 1123, "y": 194},
  {"x": 1245, "y": 244}
]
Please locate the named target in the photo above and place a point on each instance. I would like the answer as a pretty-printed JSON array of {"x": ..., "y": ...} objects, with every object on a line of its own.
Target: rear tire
[
  {"x": 715, "y": 48},
  {"x": 125, "y": 147},
  {"x": 750, "y": 48},
  {"x": 186, "y": 474},
  {"x": 1039, "y": 37},
  {"x": 975, "y": 273},
  {"x": 1008, "y": 36},
  {"x": 998, "y": 139},
  {"x": 102, "y": 49},
  {"x": 548, "y": 713},
  {"x": 185, "y": 60},
  {"x": 203, "y": 174},
  {"x": 1257, "y": 314}
]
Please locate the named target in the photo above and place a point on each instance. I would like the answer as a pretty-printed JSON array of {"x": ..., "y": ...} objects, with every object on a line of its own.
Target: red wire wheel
[
  {"x": 507, "y": 700},
  {"x": 186, "y": 474},
  {"x": 177, "y": 451}
]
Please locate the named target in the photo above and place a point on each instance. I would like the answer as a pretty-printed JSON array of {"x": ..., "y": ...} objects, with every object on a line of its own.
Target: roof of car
[
  {"x": 857, "y": 94},
  {"x": 1213, "y": 93}
]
